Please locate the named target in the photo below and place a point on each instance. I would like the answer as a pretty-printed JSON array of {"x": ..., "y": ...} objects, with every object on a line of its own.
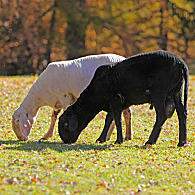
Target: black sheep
[{"x": 155, "y": 77}]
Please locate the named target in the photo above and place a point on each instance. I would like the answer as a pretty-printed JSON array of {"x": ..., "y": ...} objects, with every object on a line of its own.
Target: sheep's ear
[
  {"x": 73, "y": 124},
  {"x": 25, "y": 126}
]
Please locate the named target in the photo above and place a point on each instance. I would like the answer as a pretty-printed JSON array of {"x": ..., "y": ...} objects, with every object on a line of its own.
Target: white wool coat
[{"x": 61, "y": 83}]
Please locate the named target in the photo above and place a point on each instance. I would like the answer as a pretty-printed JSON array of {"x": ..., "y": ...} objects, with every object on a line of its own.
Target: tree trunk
[
  {"x": 75, "y": 33},
  {"x": 51, "y": 33},
  {"x": 163, "y": 28}
]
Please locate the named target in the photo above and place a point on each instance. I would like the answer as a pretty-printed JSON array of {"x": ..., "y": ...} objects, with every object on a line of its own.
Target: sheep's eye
[{"x": 66, "y": 124}]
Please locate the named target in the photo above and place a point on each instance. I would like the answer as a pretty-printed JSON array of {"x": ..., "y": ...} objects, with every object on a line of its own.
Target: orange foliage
[{"x": 29, "y": 36}]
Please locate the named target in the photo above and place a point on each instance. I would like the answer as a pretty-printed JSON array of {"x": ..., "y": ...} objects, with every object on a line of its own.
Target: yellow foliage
[{"x": 109, "y": 26}]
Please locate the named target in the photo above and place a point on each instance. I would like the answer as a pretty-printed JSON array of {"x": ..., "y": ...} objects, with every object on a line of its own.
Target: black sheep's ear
[{"x": 73, "y": 124}]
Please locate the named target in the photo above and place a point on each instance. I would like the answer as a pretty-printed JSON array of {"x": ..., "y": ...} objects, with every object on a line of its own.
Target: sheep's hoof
[
  {"x": 99, "y": 140},
  {"x": 128, "y": 138},
  {"x": 118, "y": 142},
  {"x": 44, "y": 138},
  {"x": 148, "y": 146},
  {"x": 182, "y": 143},
  {"x": 149, "y": 143}
]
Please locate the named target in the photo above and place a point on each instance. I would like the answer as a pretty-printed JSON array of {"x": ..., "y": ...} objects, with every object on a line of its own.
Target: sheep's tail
[{"x": 186, "y": 79}]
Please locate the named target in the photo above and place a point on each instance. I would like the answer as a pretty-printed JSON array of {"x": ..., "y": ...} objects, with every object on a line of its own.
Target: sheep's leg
[
  {"x": 127, "y": 117},
  {"x": 129, "y": 132},
  {"x": 182, "y": 116},
  {"x": 117, "y": 118},
  {"x": 110, "y": 130},
  {"x": 104, "y": 133},
  {"x": 51, "y": 128},
  {"x": 116, "y": 108},
  {"x": 160, "y": 119}
]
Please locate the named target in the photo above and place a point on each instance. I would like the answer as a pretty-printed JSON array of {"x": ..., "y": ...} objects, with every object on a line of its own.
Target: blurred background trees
[{"x": 34, "y": 33}]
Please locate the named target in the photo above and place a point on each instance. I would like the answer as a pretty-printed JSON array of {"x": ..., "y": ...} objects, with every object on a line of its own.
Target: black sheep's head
[
  {"x": 91, "y": 101},
  {"x": 68, "y": 127}
]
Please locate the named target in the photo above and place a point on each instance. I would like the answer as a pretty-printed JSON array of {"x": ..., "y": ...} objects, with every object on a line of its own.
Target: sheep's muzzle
[{"x": 17, "y": 131}]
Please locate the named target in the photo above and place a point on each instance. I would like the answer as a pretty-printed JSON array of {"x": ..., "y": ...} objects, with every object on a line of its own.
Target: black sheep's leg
[
  {"x": 116, "y": 108},
  {"x": 182, "y": 116},
  {"x": 160, "y": 119},
  {"x": 117, "y": 118},
  {"x": 169, "y": 107},
  {"x": 107, "y": 124}
]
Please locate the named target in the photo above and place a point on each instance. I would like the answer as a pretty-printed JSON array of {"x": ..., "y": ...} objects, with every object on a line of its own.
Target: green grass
[{"x": 51, "y": 167}]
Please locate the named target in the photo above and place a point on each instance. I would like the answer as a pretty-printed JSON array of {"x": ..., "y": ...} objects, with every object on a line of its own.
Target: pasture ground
[{"x": 51, "y": 167}]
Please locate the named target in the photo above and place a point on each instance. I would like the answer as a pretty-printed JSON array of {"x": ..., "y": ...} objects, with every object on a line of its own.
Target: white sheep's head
[{"x": 21, "y": 124}]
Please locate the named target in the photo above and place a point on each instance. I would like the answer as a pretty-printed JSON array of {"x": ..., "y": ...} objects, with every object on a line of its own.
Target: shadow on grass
[
  {"x": 57, "y": 146},
  {"x": 8, "y": 142},
  {"x": 60, "y": 147}
]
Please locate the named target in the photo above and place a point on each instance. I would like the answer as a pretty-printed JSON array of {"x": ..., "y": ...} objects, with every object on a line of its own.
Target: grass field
[{"x": 51, "y": 167}]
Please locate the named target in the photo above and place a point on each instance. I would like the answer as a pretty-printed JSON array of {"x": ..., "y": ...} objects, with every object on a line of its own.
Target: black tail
[{"x": 186, "y": 79}]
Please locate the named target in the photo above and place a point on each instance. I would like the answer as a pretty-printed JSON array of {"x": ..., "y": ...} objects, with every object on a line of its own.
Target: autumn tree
[
  {"x": 34, "y": 33},
  {"x": 185, "y": 24},
  {"x": 77, "y": 22}
]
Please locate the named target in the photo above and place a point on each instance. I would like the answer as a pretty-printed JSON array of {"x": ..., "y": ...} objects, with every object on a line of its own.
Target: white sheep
[{"x": 58, "y": 86}]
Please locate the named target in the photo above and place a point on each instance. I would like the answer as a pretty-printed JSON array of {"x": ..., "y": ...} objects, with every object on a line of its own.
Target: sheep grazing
[
  {"x": 155, "y": 77},
  {"x": 59, "y": 85}
]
